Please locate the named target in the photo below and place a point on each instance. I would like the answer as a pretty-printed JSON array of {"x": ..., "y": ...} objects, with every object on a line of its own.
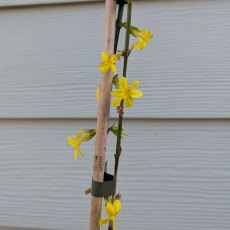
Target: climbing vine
[{"x": 124, "y": 94}]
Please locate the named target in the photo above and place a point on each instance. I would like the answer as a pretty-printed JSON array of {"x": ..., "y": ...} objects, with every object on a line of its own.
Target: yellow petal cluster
[
  {"x": 144, "y": 37},
  {"x": 112, "y": 209},
  {"x": 126, "y": 93},
  {"x": 76, "y": 141},
  {"x": 108, "y": 62}
]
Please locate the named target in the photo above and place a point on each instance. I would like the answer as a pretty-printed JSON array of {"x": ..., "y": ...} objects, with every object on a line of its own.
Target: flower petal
[
  {"x": 123, "y": 84},
  {"x": 136, "y": 93},
  {"x": 76, "y": 151},
  {"x": 105, "y": 56},
  {"x": 117, "y": 205},
  {"x": 113, "y": 68},
  {"x": 117, "y": 93},
  {"x": 97, "y": 94},
  {"x": 103, "y": 221},
  {"x": 139, "y": 45},
  {"x": 110, "y": 210},
  {"x": 79, "y": 135},
  {"x": 98, "y": 91},
  {"x": 116, "y": 101},
  {"x": 104, "y": 67},
  {"x": 128, "y": 102},
  {"x": 134, "y": 85},
  {"x": 146, "y": 34},
  {"x": 114, "y": 58},
  {"x": 71, "y": 141}
]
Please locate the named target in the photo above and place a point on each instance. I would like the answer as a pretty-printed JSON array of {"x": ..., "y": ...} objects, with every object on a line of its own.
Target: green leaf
[{"x": 116, "y": 81}]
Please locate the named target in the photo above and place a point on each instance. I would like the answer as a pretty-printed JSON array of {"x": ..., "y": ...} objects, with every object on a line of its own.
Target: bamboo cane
[{"x": 103, "y": 115}]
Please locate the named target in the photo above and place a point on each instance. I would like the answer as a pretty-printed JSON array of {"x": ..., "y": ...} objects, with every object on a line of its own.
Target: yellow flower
[
  {"x": 144, "y": 36},
  {"x": 75, "y": 142},
  {"x": 112, "y": 209},
  {"x": 97, "y": 95},
  {"x": 126, "y": 92},
  {"x": 108, "y": 62}
]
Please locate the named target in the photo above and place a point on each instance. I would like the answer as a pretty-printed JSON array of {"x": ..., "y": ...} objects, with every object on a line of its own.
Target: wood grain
[
  {"x": 173, "y": 175},
  {"x": 49, "y": 60},
  {"x": 103, "y": 115}
]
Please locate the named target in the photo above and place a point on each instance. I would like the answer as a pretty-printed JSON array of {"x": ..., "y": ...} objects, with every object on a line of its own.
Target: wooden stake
[{"x": 103, "y": 115}]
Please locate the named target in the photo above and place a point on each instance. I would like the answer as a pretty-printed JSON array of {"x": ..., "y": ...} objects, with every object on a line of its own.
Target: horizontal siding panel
[
  {"x": 13, "y": 3},
  {"x": 15, "y": 228},
  {"x": 173, "y": 175},
  {"x": 49, "y": 58},
  {"x": 7, "y": 3}
]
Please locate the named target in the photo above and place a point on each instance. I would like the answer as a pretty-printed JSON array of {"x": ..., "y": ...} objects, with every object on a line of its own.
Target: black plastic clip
[
  {"x": 105, "y": 188},
  {"x": 121, "y": 2}
]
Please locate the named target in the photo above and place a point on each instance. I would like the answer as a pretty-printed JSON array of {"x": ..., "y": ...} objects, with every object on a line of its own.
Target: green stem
[
  {"x": 118, "y": 25},
  {"x": 120, "y": 119}
]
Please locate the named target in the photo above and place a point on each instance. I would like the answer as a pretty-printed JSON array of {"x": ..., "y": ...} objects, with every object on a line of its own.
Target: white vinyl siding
[
  {"x": 16, "y": 3},
  {"x": 184, "y": 71},
  {"x": 173, "y": 174},
  {"x": 175, "y": 165}
]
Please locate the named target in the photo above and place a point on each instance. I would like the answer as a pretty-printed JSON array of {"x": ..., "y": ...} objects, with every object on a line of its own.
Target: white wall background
[{"x": 175, "y": 168}]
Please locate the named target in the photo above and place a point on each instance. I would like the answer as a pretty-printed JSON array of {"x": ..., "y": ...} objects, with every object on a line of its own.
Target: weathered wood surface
[
  {"x": 175, "y": 175},
  {"x": 103, "y": 115},
  {"x": 49, "y": 60}
]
